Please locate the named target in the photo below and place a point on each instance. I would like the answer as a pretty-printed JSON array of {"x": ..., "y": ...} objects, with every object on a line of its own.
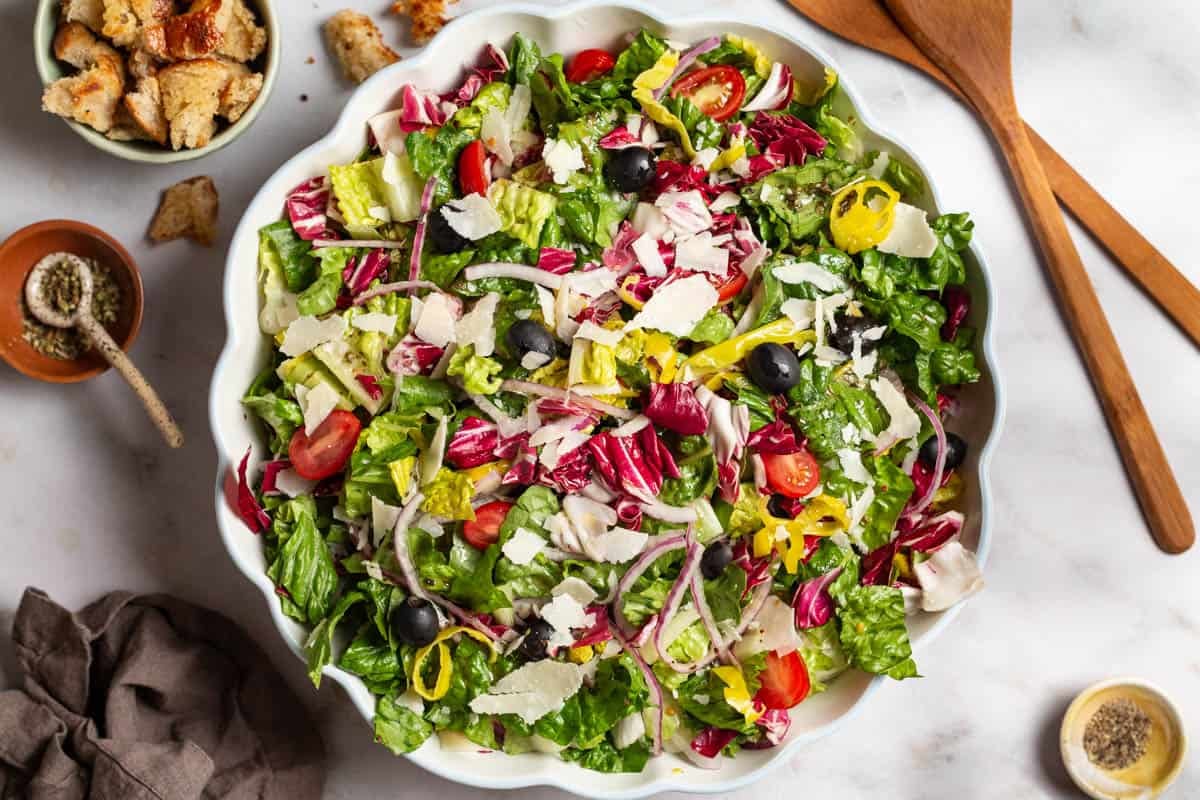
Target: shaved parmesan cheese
[
  {"x": 383, "y": 519},
  {"x": 704, "y": 158},
  {"x": 576, "y": 588},
  {"x": 565, "y": 614},
  {"x": 290, "y": 483},
  {"x": 676, "y": 307},
  {"x": 701, "y": 253},
  {"x": 621, "y": 545},
  {"x": 477, "y": 328},
  {"x": 799, "y": 311},
  {"x": 562, "y": 158},
  {"x": 646, "y": 250},
  {"x": 910, "y": 235},
  {"x": 725, "y": 201},
  {"x": 307, "y": 332},
  {"x": 774, "y": 629},
  {"x": 376, "y": 322},
  {"x": 437, "y": 322},
  {"x": 740, "y": 167},
  {"x": 534, "y": 360},
  {"x": 904, "y": 422},
  {"x": 852, "y": 466},
  {"x": 593, "y": 332},
  {"x": 501, "y": 130},
  {"x": 592, "y": 282},
  {"x": 648, "y": 220},
  {"x": 472, "y": 217},
  {"x": 533, "y": 691},
  {"x": 316, "y": 404},
  {"x": 631, "y": 729},
  {"x": 523, "y": 547},
  {"x": 546, "y": 304},
  {"x": 949, "y": 575},
  {"x": 808, "y": 272},
  {"x": 859, "y": 507},
  {"x": 686, "y": 212}
]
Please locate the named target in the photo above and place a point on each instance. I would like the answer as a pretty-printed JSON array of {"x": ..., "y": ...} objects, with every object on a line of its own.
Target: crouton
[
  {"x": 427, "y": 17},
  {"x": 124, "y": 129},
  {"x": 141, "y": 64},
  {"x": 188, "y": 209},
  {"x": 88, "y": 12},
  {"x": 196, "y": 34},
  {"x": 77, "y": 46},
  {"x": 90, "y": 97},
  {"x": 358, "y": 45},
  {"x": 145, "y": 109},
  {"x": 125, "y": 19},
  {"x": 191, "y": 93},
  {"x": 244, "y": 39},
  {"x": 239, "y": 94}
]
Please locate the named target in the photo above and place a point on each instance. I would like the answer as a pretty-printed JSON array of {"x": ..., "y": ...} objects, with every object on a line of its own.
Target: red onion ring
[
  {"x": 527, "y": 387},
  {"x": 388, "y": 288},
  {"x": 520, "y": 272},
  {"x": 939, "y": 466},
  {"x": 414, "y": 263},
  {"x": 686, "y": 61},
  {"x": 710, "y": 622},
  {"x": 656, "y": 691},
  {"x": 648, "y": 557}
]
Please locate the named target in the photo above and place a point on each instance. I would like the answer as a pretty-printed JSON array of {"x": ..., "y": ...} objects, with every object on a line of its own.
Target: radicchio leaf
[
  {"x": 248, "y": 507},
  {"x": 812, "y": 604},
  {"x": 934, "y": 533},
  {"x": 957, "y": 301},
  {"x": 306, "y": 209},
  {"x": 271, "y": 472},
  {"x": 711, "y": 741},
  {"x": 674, "y": 406},
  {"x": 778, "y": 438},
  {"x": 374, "y": 264},
  {"x": 411, "y": 356},
  {"x": 473, "y": 444},
  {"x": 556, "y": 260}
]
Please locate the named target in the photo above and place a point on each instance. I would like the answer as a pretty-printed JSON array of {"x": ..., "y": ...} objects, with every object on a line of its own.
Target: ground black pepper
[
  {"x": 1117, "y": 734},
  {"x": 61, "y": 288}
]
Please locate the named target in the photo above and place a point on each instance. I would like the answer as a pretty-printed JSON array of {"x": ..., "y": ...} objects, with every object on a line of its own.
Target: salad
[{"x": 607, "y": 406}]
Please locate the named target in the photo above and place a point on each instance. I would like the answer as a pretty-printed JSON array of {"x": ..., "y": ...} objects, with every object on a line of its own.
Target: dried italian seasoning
[
  {"x": 1117, "y": 734},
  {"x": 61, "y": 288}
]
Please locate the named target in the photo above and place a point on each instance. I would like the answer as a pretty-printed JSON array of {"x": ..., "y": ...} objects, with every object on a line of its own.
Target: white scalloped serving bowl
[{"x": 439, "y": 66}]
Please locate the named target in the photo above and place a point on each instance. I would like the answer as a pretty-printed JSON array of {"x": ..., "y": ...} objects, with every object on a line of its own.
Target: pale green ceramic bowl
[{"x": 50, "y": 70}]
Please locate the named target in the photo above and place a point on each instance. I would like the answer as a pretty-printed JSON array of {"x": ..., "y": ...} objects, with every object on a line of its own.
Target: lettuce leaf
[
  {"x": 397, "y": 728},
  {"x": 318, "y": 649},
  {"x": 449, "y": 495},
  {"x": 321, "y": 296},
  {"x": 280, "y": 244},
  {"x": 303, "y": 567},
  {"x": 641, "y": 54},
  {"x": 792, "y": 203},
  {"x": 523, "y": 210},
  {"x": 280, "y": 414},
  {"x": 359, "y": 189},
  {"x": 480, "y": 374},
  {"x": 372, "y": 658},
  {"x": 873, "y": 632}
]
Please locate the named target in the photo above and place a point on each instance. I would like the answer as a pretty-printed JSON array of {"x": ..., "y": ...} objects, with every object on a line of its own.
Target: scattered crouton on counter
[
  {"x": 427, "y": 17},
  {"x": 187, "y": 210},
  {"x": 161, "y": 71},
  {"x": 358, "y": 45}
]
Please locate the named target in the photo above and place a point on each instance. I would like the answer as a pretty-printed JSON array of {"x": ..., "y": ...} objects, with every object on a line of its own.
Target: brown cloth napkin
[{"x": 149, "y": 698}]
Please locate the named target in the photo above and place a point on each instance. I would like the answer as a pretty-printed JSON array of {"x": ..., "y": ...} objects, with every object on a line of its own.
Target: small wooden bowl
[{"x": 18, "y": 255}]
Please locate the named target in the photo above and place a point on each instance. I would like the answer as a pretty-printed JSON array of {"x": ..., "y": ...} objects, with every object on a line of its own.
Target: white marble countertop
[{"x": 91, "y": 501}]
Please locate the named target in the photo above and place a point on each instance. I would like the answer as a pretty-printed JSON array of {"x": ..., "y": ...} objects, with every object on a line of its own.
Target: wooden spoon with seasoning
[
  {"x": 972, "y": 43},
  {"x": 82, "y": 319},
  {"x": 868, "y": 23}
]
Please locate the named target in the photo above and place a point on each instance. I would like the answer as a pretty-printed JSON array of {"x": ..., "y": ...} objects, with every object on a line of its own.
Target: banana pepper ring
[
  {"x": 445, "y": 666},
  {"x": 822, "y": 516},
  {"x": 730, "y": 352},
  {"x": 858, "y": 223}
]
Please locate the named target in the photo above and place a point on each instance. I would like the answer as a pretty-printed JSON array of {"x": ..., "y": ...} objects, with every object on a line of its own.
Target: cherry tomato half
[
  {"x": 484, "y": 530},
  {"x": 472, "y": 169},
  {"x": 784, "y": 680},
  {"x": 717, "y": 91},
  {"x": 792, "y": 475},
  {"x": 589, "y": 65},
  {"x": 326, "y": 452},
  {"x": 729, "y": 286}
]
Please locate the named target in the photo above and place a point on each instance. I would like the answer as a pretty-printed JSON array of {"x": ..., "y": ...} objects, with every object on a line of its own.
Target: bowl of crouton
[{"x": 157, "y": 81}]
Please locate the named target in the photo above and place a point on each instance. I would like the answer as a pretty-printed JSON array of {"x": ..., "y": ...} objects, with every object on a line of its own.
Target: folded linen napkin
[{"x": 149, "y": 698}]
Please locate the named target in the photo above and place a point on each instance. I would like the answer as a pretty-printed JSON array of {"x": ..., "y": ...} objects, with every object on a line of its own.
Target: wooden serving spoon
[
  {"x": 91, "y": 328},
  {"x": 972, "y": 42},
  {"x": 868, "y": 23}
]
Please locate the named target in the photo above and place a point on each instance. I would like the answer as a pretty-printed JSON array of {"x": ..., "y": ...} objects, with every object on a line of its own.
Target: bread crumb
[
  {"x": 188, "y": 209},
  {"x": 427, "y": 17},
  {"x": 358, "y": 45}
]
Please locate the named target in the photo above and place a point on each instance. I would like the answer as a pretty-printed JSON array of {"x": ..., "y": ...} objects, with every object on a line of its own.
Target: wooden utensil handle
[
  {"x": 153, "y": 404},
  {"x": 1149, "y": 268},
  {"x": 1153, "y": 481}
]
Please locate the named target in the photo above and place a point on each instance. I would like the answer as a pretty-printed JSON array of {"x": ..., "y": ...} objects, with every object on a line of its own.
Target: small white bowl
[
  {"x": 440, "y": 67},
  {"x": 1149, "y": 777}
]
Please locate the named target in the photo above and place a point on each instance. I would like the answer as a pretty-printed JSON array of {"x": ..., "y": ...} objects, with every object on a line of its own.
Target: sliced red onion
[
  {"x": 375, "y": 244},
  {"x": 668, "y": 513},
  {"x": 389, "y": 288},
  {"x": 400, "y": 545},
  {"x": 520, "y": 272},
  {"x": 648, "y": 557},
  {"x": 710, "y": 622},
  {"x": 686, "y": 60},
  {"x": 528, "y": 387},
  {"x": 939, "y": 465},
  {"x": 414, "y": 263},
  {"x": 656, "y": 692},
  {"x": 506, "y": 425},
  {"x": 761, "y": 592},
  {"x": 776, "y": 93},
  {"x": 691, "y": 564}
]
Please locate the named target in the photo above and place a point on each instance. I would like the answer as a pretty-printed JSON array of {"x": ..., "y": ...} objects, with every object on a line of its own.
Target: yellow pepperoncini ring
[
  {"x": 948, "y": 493},
  {"x": 644, "y": 86},
  {"x": 858, "y": 223},
  {"x": 822, "y": 516},
  {"x": 445, "y": 666},
  {"x": 736, "y": 150},
  {"x": 662, "y": 357},
  {"x": 731, "y": 351},
  {"x": 476, "y": 474},
  {"x": 625, "y": 293},
  {"x": 737, "y": 693}
]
